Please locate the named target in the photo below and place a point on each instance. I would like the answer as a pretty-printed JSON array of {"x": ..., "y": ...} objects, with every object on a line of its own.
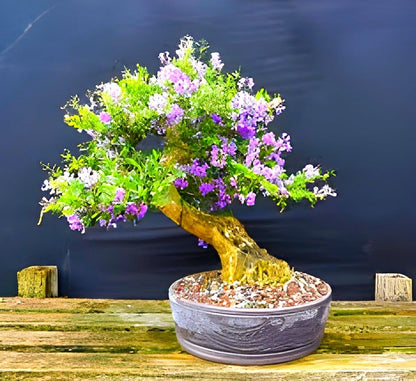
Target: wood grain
[{"x": 59, "y": 339}]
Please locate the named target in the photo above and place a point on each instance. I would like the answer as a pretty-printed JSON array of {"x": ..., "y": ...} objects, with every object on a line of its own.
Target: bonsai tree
[{"x": 211, "y": 146}]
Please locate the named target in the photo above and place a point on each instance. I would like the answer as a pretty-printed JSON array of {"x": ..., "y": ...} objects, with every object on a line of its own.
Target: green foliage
[{"x": 213, "y": 143}]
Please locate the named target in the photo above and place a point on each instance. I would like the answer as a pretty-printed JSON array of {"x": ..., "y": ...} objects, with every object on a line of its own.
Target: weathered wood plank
[
  {"x": 81, "y": 306},
  {"x": 38, "y": 282},
  {"x": 393, "y": 287},
  {"x": 184, "y": 366},
  {"x": 61, "y": 339}
]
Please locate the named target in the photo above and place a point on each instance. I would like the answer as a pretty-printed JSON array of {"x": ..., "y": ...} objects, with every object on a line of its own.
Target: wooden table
[{"x": 61, "y": 339}]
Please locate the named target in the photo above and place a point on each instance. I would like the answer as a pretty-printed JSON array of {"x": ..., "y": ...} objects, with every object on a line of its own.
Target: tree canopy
[{"x": 210, "y": 136}]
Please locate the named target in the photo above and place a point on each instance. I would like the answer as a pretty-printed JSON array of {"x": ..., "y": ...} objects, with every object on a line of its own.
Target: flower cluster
[
  {"x": 217, "y": 145},
  {"x": 181, "y": 82},
  {"x": 118, "y": 211}
]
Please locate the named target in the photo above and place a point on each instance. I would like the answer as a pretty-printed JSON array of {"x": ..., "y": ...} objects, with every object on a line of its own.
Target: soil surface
[{"x": 207, "y": 288}]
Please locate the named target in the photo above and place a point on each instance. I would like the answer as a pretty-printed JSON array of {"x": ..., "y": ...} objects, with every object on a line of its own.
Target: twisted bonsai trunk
[{"x": 241, "y": 258}]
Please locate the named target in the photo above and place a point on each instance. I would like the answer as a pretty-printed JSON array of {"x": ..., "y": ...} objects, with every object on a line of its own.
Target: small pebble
[{"x": 302, "y": 288}]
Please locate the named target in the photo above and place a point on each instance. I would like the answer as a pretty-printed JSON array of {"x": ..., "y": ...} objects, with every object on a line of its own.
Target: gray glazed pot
[{"x": 249, "y": 336}]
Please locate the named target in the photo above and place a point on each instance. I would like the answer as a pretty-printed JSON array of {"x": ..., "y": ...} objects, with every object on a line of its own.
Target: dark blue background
[{"x": 346, "y": 69}]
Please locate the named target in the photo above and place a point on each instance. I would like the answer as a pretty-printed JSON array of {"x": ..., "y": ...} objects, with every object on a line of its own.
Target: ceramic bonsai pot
[{"x": 249, "y": 336}]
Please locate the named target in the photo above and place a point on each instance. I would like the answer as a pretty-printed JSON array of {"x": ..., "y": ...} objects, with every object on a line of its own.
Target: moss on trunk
[{"x": 241, "y": 258}]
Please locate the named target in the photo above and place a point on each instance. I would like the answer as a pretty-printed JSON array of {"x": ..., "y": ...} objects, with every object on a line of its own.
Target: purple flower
[
  {"x": 277, "y": 105},
  {"x": 175, "y": 115},
  {"x": 284, "y": 143},
  {"x": 246, "y": 126},
  {"x": 269, "y": 139},
  {"x": 142, "y": 211},
  {"x": 105, "y": 117},
  {"x": 282, "y": 189},
  {"x": 181, "y": 82},
  {"x": 216, "y": 118},
  {"x": 245, "y": 83},
  {"x": 120, "y": 193},
  {"x": 232, "y": 149},
  {"x": 186, "y": 86},
  {"x": 280, "y": 109},
  {"x": 102, "y": 222},
  {"x": 169, "y": 73},
  {"x": 205, "y": 188},
  {"x": 75, "y": 223},
  {"x": 251, "y": 199},
  {"x": 228, "y": 148},
  {"x": 198, "y": 170},
  {"x": 250, "y": 112},
  {"x": 216, "y": 61},
  {"x": 258, "y": 168},
  {"x": 180, "y": 183},
  {"x": 246, "y": 131},
  {"x": 132, "y": 209},
  {"x": 222, "y": 201},
  {"x": 224, "y": 198},
  {"x": 199, "y": 67},
  {"x": 260, "y": 110},
  {"x": 253, "y": 151},
  {"x": 217, "y": 159},
  {"x": 202, "y": 243},
  {"x": 243, "y": 102},
  {"x": 120, "y": 217}
]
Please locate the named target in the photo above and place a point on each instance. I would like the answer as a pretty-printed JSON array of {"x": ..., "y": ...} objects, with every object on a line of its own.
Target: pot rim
[{"x": 240, "y": 311}]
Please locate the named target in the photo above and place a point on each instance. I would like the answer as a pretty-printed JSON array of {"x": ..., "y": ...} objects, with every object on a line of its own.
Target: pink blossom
[{"x": 105, "y": 117}]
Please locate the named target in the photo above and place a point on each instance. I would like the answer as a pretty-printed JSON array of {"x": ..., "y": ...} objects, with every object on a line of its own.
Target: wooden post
[
  {"x": 393, "y": 287},
  {"x": 38, "y": 282}
]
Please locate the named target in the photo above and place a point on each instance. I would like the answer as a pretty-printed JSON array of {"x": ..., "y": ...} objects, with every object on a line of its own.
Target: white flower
[
  {"x": 93, "y": 104},
  {"x": 66, "y": 177},
  {"x": 326, "y": 190},
  {"x": 103, "y": 142},
  {"x": 164, "y": 58},
  {"x": 158, "y": 102},
  {"x": 46, "y": 186},
  {"x": 245, "y": 82},
  {"x": 276, "y": 104},
  {"x": 185, "y": 44},
  {"x": 199, "y": 67},
  {"x": 113, "y": 90},
  {"x": 310, "y": 171},
  {"x": 111, "y": 154},
  {"x": 91, "y": 133},
  {"x": 290, "y": 180},
  {"x": 88, "y": 176},
  {"x": 216, "y": 61},
  {"x": 45, "y": 202}
]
